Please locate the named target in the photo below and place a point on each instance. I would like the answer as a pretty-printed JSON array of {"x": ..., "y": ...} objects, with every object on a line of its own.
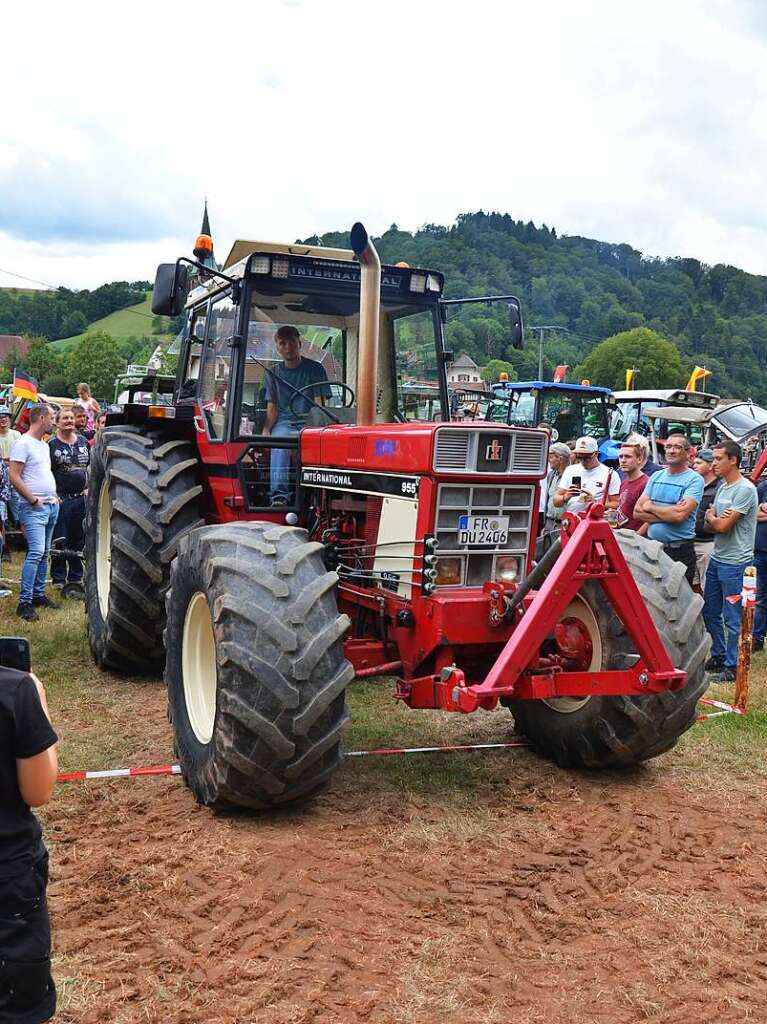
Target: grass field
[
  {"x": 730, "y": 744},
  {"x": 133, "y": 321}
]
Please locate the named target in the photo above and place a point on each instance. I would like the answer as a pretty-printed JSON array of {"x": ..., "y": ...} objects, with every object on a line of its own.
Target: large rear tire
[
  {"x": 604, "y": 732},
  {"x": 143, "y": 494},
  {"x": 255, "y": 669}
]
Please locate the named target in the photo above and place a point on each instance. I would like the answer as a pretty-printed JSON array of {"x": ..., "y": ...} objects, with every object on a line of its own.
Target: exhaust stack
[{"x": 370, "y": 307}]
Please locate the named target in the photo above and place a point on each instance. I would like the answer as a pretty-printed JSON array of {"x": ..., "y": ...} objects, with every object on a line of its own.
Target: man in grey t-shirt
[
  {"x": 286, "y": 411},
  {"x": 732, "y": 519}
]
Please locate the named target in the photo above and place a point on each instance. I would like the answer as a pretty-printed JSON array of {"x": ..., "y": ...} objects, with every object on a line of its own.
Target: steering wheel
[{"x": 299, "y": 393}]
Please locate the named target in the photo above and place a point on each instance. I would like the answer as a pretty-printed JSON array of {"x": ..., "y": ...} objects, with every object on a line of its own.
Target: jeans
[
  {"x": 71, "y": 526},
  {"x": 760, "y": 613},
  {"x": 38, "y": 522},
  {"x": 279, "y": 466},
  {"x": 723, "y": 581}
]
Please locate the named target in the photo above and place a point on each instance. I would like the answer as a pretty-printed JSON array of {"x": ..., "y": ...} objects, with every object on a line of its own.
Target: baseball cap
[
  {"x": 705, "y": 453},
  {"x": 560, "y": 448},
  {"x": 586, "y": 446},
  {"x": 4, "y": 410}
]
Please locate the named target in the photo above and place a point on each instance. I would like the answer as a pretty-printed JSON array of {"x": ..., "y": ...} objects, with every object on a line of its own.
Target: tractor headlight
[
  {"x": 260, "y": 265},
  {"x": 506, "y": 568},
  {"x": 449, "y": 572}
]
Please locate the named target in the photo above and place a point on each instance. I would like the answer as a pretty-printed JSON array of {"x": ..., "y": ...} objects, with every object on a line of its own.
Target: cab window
[{"x": 214, "y": 389}]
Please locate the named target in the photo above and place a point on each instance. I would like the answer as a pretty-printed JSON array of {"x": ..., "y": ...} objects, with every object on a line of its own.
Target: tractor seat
[{"x": 317, "y": 418}]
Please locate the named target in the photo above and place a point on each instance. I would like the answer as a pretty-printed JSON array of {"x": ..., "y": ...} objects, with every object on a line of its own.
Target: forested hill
[{"x": 716, "y": 316}]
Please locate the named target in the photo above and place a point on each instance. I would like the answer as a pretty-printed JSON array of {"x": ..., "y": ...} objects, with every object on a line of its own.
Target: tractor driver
[{"x": 285, "y": 413}]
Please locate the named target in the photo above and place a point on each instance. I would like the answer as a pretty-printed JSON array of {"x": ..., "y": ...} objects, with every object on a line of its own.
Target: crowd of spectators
[
  {"x": 43, "y": 482},
  {"x": 698, "y": 506}
]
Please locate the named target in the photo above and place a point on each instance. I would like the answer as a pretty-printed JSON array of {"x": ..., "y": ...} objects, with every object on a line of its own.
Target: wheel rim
[
  {"x": 581, "y": 611},
  {"x": 198, "y": 667},
  {"x": 104, "y": 549}
]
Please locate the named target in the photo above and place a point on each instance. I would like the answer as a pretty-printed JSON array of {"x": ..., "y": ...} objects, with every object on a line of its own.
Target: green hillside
[{"x": 131, "y": 322}]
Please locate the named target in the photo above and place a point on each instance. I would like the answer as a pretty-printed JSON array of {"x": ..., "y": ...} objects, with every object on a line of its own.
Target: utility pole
[{"x": 541, "y": 328}]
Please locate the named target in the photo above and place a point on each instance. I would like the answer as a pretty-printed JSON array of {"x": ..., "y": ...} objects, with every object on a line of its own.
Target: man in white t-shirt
[
  {"x": 587, "y": 481},
  {"x": 32, "y": 477}
]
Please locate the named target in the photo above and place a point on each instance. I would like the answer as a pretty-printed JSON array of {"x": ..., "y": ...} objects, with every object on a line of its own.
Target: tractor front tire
[
  {"x": 143, "y": 494},
  {"x": 616, "y": 731},
  {"x": 255, "y": 668}
]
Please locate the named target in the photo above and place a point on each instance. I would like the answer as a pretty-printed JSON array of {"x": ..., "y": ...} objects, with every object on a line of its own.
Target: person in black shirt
[
  {"x": 70, "y": 455},
  {"x": 703, "y": 463},
  {"x": 28, "y": 767},
  {"x": 81, "y": 422}
]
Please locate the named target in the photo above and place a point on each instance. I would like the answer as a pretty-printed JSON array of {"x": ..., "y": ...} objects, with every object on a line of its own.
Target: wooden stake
[{"x": 745, "y": 639}]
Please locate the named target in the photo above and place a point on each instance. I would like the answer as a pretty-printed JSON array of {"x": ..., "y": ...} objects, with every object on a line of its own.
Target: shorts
[{"x": 27, "y": 991}]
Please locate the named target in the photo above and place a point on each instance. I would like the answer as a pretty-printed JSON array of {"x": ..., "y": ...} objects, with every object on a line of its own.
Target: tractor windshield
[
  {"x": 326, "y": 369},
  {"x": 571, "y": 414}
]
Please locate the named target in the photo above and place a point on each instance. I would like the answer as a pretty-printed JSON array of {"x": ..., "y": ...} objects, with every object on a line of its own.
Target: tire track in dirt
[{"x": 332, "y": 916}]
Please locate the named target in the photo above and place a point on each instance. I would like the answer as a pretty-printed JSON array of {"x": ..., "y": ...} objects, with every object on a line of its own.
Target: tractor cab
[{"x": 272, "y": 345}]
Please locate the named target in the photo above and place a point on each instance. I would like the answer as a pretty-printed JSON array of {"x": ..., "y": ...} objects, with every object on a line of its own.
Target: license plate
[{"x": 483, "y": 530}]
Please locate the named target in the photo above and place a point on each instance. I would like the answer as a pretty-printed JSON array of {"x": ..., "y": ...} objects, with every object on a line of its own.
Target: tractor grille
[
  {"x": 478, "y": 562},
  {"x": 499, "y": 451}
]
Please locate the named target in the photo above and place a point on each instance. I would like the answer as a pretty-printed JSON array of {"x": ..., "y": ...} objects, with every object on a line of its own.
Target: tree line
[
  {"x": 713, "y": 316},
  {"x": 666, "y": 314},
  {"x": 63, "y": 313}
]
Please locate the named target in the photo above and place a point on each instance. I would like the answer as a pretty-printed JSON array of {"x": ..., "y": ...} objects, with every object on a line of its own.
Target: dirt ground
[{"x": 507, "y": 890}]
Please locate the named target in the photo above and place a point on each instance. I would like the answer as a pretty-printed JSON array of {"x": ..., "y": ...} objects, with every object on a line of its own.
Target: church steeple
[{"x": 203, "y": 247}]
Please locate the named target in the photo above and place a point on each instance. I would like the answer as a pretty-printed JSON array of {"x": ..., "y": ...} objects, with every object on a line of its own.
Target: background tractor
[{"x": 396, "y": 548}]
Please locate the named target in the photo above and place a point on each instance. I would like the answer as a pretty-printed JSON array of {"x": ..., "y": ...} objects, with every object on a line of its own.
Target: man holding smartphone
[
  {"x": 588, "y": 481},
  {"x": 28, "y": 768}
]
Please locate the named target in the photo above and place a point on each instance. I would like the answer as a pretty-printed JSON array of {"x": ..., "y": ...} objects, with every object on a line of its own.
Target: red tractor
[{"x": 275, "y": 528}]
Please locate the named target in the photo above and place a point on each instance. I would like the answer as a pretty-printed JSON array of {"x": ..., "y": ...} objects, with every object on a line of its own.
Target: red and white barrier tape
[
  {"x": 175, "y": 769},
  {"x": 120, "y": 773}
]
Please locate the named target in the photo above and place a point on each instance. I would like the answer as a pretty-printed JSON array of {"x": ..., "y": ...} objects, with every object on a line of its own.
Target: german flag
[{"x": 24, "y": 386}]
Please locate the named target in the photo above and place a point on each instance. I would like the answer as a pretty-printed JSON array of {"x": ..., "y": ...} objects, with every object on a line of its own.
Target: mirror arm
[{"x": 233, "y": 281}]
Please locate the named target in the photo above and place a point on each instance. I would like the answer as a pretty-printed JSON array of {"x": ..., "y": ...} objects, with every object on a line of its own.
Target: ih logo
[{"x": 494, "y": 451}]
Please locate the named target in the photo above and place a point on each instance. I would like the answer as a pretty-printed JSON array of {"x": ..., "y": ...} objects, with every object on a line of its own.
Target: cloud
[{"x": 639, "y": 124}]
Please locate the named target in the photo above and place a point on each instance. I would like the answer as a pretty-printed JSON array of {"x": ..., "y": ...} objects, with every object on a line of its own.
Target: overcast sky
[{"x": 642, "y": 123}]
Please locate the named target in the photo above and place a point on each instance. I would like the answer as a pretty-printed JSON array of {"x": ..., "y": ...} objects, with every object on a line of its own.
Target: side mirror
[
  {"x": 171, "y": 285},
  {"x": 515, "y": 324}
]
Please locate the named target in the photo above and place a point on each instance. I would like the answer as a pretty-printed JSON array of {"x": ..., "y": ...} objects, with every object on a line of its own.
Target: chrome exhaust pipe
[{"x": 367, "y": 340}]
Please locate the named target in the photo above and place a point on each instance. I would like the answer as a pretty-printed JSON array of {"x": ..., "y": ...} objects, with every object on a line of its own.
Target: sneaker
[
  {"x": 279, "y": 501},
  {"x": 26, "y": 611},
  {"x": 757, "y": 645},
  {"x": 714, "y": 664},
  {"x": 44, "y": 602},
  {"x": 727, "y": 675},
  {"x": 4, "y": 592}
]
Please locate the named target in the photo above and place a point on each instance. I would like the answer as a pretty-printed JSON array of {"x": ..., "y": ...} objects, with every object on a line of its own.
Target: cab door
[{"x": 215, "y": 393}]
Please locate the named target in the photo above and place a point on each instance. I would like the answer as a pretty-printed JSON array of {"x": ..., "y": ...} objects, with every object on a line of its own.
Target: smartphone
[
  {"x": 14, "y": 653},
  {"x": 577, "y": 482}
]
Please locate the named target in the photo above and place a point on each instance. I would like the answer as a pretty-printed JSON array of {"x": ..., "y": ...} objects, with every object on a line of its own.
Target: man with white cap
[{"x": 587, "y": 481}]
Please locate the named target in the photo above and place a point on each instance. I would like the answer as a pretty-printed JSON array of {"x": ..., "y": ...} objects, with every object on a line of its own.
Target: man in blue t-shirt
[
  {"x": 669, "y": 503},
  {"x": 285, "y": 411}
]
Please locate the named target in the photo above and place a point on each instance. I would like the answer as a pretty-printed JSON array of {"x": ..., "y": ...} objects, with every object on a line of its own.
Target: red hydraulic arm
[{"x": 590, "y": 551}]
